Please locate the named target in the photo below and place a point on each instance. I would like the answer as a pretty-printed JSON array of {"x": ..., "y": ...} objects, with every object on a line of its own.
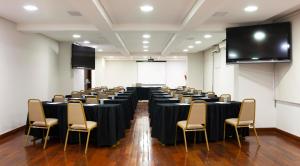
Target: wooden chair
[
  {"x": 225, "y": 97},
  {"x": 58, "y": 98},
  {"x": 37, "y": 119},
  {"x": 246, "y": 118},
  {"x": 76, "y": 94},
  {"x": 196, "y": 121},
  {"x": 187, "y": 100},
  {"x": 92, "y": 100},
  {"x": 77, "y": 122}
]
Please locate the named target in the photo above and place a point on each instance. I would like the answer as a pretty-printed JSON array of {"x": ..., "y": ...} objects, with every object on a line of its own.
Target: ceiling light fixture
[
  {"x": 145, "y": 42},
  {"x": 191, "y": 46},
  {"x": 86, "y": 42},
  {"x": 145, "y": 46},
  {"x": 185, "y": 50},
  {"x": 250, "y": 8},
  {"x": 100, "y": 50},
  {"x": 207, "y": 36},
  {"x": 146, "y": 50},
  {"x": 76, "y": 36},
  {"x": 146, "y": 8},
  {"x": 198, "y": 42},
  {"x": 146, "y": 36},
  {"x": 30, "y": 8}
]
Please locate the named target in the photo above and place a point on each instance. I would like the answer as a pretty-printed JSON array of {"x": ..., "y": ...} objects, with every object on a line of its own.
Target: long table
[
  {"x": 164, "y": 121},
  {"x": 143, "y": 93}
]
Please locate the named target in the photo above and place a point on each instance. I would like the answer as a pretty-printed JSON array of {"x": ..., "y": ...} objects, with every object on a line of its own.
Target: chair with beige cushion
[
  {"x": 225, "y": 97},
  {"x": 210, "y": 94},
  {"x": 76, "y": 94},
  {"x": 92, "y": 100},
  {"x": 102, "y": 95},
  {"x": 77, "y": 122},
  {"x": 58, "y": 98},
  {"x": 37, "y": 119},
  {"x": 186, "y": 100},
  {"x": 196, "y": 121},
  {"x": 246, "y": 118}
]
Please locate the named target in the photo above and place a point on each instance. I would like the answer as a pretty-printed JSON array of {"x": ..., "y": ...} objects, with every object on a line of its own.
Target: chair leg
[
  {"x": 87, "y": 142},
  {"x": 46, "y": 139},
  {"x": 184, "y": 140},
  {"x": 224, "y": 134},
  {"x": 195, "y": 135},
  {"x": 66, "y": 141},
  {"x": 206, "y": 140},
  {"x": 27, "y": 137},
  {"x": 237, "y": 136},
  {"x": 79, "y": 138},
  {"x": 176, "y": 136},
  {"x": 256, "y": 135}
]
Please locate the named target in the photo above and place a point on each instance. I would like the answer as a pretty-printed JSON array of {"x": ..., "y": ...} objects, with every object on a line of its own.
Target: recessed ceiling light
[
  {"x": 250, "y": 8},
  {"x": 146, "y": 8},
  {"x": 198, "y": 42},
  {"x": 76, "y": 36},
  {"x": 93, "y": 46},
  {"x": 145, "y": 46},
  {"x": 30, "y": 8},
  {"x": 100, "y": 50},
  {"x": 191, "y": 46},
  {"x": 207, "y": 36},
  {"x": 86, "y": 42},
  {"x": 146, "y": 36},
  {"x": 185, "y": 50},
  {"x": 146, "y": 50},
  {"x": 145, "y": 42}
]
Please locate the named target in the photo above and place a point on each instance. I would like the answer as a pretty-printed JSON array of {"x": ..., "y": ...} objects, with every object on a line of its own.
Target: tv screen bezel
[{"x": 271, "y": 60}]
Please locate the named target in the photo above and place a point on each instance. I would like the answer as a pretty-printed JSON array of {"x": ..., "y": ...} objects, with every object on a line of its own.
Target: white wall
[
  {"x": 242, "y": 81},
  {"x": 113, "y": 73},
  {"x": 28, "y": 69},
  {"x": 69, "y": 79},
  {"x": 287, "y": 86},
  {"x": 195, "y": 71}
]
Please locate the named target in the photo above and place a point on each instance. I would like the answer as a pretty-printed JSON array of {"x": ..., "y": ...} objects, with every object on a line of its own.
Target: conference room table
[
  {"x": 109, "y": 117},
  {"x": 143, "y": 93},
  {"x": 165, "y": 117}
]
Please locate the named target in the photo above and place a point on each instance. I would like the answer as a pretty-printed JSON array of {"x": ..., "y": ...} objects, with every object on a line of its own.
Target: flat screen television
[
  {"x": 259, "y": 43},
  {"x": 83, "y": 57}
]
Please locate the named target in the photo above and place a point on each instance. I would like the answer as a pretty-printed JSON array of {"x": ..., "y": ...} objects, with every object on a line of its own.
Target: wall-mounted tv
[
  {"x": 259, "y": 43},
  {"x": 83, "y": 57}
]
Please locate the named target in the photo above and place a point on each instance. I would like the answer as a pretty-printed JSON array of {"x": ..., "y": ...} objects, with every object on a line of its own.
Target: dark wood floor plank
[{"x": 138, "y": 148}]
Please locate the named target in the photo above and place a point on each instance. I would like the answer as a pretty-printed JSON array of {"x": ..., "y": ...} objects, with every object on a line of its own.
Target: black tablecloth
[
  {"x": 165, "y": 118},
  {"x": 127, "y": 114},
  {"x": 143, "y": 93},
  {"x": 110, "y": 124},
  {"x": 152, "y": 105}
]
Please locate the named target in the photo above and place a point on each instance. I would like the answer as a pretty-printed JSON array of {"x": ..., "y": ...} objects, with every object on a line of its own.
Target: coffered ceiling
[{"x": 117, "y": 27}]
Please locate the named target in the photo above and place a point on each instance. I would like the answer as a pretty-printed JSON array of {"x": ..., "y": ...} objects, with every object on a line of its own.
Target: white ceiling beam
[
  {"x": 55, "y": 27},
  {"x": 145, "y": 27},
  {"x": 94, "y": 12}
]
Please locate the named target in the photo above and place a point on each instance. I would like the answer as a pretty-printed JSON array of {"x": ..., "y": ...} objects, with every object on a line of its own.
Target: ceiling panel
[
  {"x": 50, "y": 12},
  {"x": 165, "y": 11},
  {"x": 189, "y": 39},
  {"x": 158, "y": 41}
]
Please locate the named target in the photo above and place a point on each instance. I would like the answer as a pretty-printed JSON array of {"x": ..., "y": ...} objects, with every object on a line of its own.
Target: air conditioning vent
[
  {"x": 220, "y": 14},
  {"x": 74, "y": 13}
]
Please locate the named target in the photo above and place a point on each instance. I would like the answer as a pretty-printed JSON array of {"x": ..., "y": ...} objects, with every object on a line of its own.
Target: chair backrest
[
  {"x": 247, "y": 111},
  {"x": 36, "y": 111},
  {"x": 184, "y": 99},
  {"x": 210, "y": 94},
  {"x": 76, "y": 113},
  {"x": 197, "y": 91},
  {"x": 76, "y": 94},
  {"x": 223, "y": 97},
  {"x": 58, "y": 98},
  {"x": 178, "y": 95},
  {"x": 102, "y": 95},
  {"x": 92, "y": 100},
  {"x": 197, "y": 113}
]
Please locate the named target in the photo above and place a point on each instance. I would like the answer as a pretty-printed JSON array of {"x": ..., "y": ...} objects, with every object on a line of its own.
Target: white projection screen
[{"x": 151, "y": 72}]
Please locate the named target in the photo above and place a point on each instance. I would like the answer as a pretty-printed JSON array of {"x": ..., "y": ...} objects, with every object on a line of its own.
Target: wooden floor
[{"x": 138, "y": 148}]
